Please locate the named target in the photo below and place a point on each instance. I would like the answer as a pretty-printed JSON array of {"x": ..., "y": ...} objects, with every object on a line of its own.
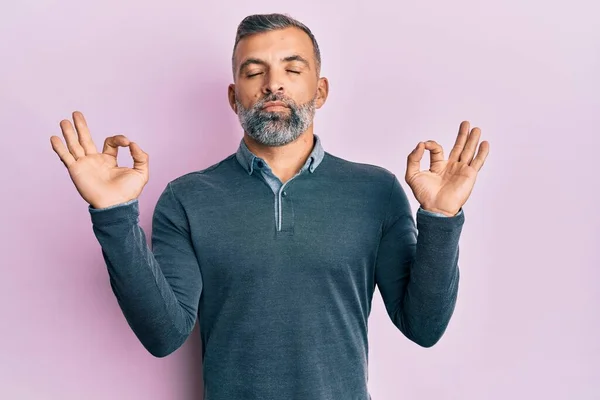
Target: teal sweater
[{"x": 281, "y": 276}]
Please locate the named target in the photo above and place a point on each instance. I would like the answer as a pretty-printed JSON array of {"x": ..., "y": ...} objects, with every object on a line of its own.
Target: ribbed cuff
[
  {"x": 128, "y": 211},
  {"x": 428, "y": 220}
]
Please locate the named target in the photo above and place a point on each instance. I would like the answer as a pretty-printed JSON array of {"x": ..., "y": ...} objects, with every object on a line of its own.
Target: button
[
  {"x": 260, "y": 164},
  {"x": 284, "y": 193}
]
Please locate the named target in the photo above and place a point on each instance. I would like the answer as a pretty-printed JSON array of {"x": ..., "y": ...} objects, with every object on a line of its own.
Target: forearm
[
  {"x": 432, "y": 289},
  {"x": 143, "y": 293}
]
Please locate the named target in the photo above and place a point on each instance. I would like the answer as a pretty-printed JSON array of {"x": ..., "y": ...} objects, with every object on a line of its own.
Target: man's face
[{"x": 277, "y": 88}]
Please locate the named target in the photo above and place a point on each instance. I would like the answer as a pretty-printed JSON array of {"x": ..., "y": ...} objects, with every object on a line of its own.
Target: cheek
[
  {"x": 248, "y": 91},
  {"x": 246, "y": 99},
  {"x": 307, "y": 90}
]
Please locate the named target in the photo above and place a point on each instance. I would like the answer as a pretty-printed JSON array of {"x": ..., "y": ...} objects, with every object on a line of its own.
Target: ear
[
  {"x": 231, "y": 96},
  {"x": 322, "y": 91}
]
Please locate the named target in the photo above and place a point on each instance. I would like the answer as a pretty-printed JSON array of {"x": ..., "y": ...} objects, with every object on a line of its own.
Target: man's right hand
[{"x": 97, "y": 177}]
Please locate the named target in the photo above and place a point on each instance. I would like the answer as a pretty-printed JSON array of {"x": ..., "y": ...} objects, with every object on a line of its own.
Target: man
[{"x": 277, "y": 249}]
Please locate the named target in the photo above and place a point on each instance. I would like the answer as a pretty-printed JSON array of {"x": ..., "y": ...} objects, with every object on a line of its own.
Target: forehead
[{"x": 275, "y": 45}]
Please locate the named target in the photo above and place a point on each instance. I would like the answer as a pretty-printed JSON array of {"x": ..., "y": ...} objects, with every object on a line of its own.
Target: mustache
[{"x": 275, "y": 97}]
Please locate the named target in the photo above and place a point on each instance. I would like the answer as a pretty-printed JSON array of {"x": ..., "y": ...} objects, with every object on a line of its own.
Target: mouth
[{"x": 274, "y": 106}]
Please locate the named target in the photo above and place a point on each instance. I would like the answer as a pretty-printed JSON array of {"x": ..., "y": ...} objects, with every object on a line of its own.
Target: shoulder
[
  {"x": 357, "y": 171},
  {"x": 220, "y": 172}
]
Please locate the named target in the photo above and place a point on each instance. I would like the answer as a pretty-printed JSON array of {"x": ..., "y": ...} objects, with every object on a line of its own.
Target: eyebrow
[{"x": 257, "y": 61}]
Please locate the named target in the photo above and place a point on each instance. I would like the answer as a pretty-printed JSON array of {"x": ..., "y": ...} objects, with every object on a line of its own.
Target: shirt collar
[{"x": 247, "y": 159}]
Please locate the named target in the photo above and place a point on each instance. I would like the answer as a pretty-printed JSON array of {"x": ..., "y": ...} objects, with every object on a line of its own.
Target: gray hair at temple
[{"x": 259, "y": 23}]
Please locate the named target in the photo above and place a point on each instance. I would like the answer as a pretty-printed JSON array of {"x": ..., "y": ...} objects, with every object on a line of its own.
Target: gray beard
[{"x": 273, "y": 128}]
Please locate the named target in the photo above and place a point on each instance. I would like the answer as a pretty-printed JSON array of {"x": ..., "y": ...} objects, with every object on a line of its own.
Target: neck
[{"x": 285, "y": 161}]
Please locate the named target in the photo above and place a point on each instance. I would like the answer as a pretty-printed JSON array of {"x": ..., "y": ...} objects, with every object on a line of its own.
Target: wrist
[
  {"x": 110, "y": 204},
  {"x": 439, "y": 211}
]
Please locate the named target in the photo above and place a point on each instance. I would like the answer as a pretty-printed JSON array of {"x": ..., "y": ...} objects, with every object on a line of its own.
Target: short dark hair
[{"x": 259, "y": 23}]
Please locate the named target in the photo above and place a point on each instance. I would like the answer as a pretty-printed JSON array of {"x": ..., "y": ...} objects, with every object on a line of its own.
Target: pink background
[{"x": 527, "y": 324}]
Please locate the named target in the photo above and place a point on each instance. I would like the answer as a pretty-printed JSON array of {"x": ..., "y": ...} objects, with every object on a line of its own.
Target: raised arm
[
  {"x": 158, "y": 290},
  {"x": 417, "y": 266}
]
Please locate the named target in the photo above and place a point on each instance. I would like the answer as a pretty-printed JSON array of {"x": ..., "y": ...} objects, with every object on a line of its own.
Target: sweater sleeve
[
  {"x": 157, "y": 289},
  {"x": 417, "y": 268}
]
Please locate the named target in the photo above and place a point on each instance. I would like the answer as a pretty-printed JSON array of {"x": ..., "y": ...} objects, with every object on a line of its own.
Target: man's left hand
[{"x": 447, "y": 185}]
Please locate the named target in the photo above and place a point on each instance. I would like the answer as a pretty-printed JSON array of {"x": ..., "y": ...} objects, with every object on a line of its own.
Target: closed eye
[{"x": 293, "y": 72}]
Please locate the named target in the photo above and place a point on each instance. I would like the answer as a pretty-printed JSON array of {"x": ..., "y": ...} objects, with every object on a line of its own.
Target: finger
[
  {"x": 71, "y": 138},
  {"x": 461, "y": 139},
  {"x": 478, "y": 161},
  {"x": 413, "y": 165},
  {"x": 436, "y": 152},
  {"x": 470, "y": 147},
  {"x": 85, "y": 138},
  {"x": 140, "y": 158},
  {"x": 112, "y": 143},
  {"x": 60, "y": 149}
]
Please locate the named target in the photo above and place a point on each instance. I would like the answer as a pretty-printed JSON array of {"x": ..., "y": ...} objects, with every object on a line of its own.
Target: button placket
[{"x": 285, "y": 215}]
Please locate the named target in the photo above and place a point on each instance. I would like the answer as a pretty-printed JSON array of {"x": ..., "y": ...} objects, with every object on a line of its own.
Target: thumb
[
  {"x": 140, "y": 158},
  {"x": 413, "y": 165}
]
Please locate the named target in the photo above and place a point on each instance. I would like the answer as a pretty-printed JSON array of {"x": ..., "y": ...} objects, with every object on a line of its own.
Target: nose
[{"x": 273, "y": 83}]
